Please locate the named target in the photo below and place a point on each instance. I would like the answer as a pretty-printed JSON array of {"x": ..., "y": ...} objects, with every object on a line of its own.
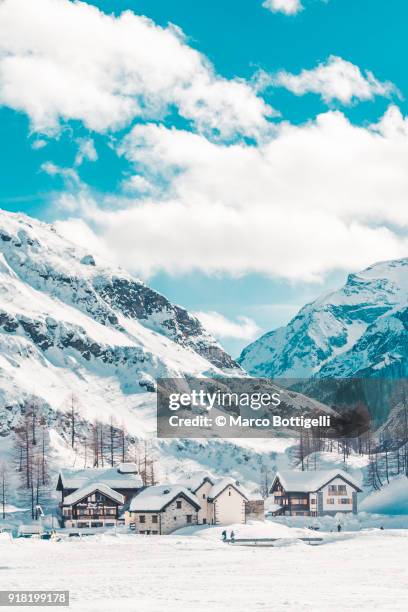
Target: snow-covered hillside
[
  {"x": 359, "y": 330},
  {"x": 70, "y": 323}
]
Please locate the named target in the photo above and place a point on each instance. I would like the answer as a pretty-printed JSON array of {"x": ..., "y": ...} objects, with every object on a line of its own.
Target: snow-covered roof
[
  {"x": 305, "y": 482},
  {"x": 220, "y": 484},
  {"x": 112, "y": 477},
  {"x": 91, "y": 488},
  {"x": 127, "y": 468},
  {"x": 194, "y": 481},
  {"x": 273, "y": 508},
  {"x": 154, "y": 499}
]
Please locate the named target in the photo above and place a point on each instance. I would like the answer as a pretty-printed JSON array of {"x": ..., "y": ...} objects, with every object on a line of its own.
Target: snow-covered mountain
[
  {"x": 70, "y": 323},
  {"x": 359, "y": 330}
]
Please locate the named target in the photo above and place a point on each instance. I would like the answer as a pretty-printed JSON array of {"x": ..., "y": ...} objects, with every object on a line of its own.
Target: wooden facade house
[
  {"x": 96, "y": 497},
  {"x": 314, "y": 493}
]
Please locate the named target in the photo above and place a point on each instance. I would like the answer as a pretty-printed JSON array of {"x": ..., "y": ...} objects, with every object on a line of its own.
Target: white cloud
[
  {"x": 221, "y": 327},
  {"x": 69, "y": 175},
  {"x": 38, "y": 143},
  {"x": 81, "y": 234},
  {"x": 336, "y": 79},
  {"x": 62, "y": 60},
  {"x": 86, "y": 151},
  {"x": 137, "y": 184},
  {"x": 289, "y": 7},
  {"x": 318, "y": 197}
]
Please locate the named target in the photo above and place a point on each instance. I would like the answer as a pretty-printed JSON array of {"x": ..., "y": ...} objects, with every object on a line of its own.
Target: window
[
  {"x": 229, "y": 492},
  {"x": 337, "y": 489},
  {"x": 313, "y": 502},
  {"x": 204, "y": 521},
  {"x": 189, "y": 518},
  {"x": 203, "y": 495},
  {"x": 154, "y": 518},
  {"x": 142, "y": 518},
  {"x": 345, "y": 500},
  {"x": 178, "y": 505},
  {"x": 330, "y": 500}
]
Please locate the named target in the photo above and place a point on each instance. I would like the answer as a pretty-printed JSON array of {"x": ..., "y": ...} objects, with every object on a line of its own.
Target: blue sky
[{"x": 71, "y": 155}]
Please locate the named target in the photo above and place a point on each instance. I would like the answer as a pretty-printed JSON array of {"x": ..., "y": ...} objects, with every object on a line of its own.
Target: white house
[
  {"x": 162, "y": 509},
  {"x": 313, "y": 493},
  {"x": 223, "y": 500}
]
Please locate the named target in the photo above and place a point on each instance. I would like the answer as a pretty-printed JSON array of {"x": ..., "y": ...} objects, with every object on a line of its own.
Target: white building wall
[
  {"x": 337, "y": 506},
  {"x": 229, "y": 507},
  {"x": 205, "y": 512}
]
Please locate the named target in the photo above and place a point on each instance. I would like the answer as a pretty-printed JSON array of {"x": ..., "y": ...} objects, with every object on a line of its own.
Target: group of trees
[
  {"x": 31, "y": 456},
  {"x": 95, "y": 445},
  {"x": 101, "y": 444},
  {"x": 4, "y": 487},
  {"x": 387, "y": 455}
]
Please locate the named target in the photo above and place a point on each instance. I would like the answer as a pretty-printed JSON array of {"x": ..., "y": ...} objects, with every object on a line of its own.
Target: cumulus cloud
[
  {"x": 289, "y": 7},
  {"x": 86, "y": 151},
  {"x": 62, "y": 60},
  {"x": 243, "y": 328},
  {"x": 295, "y": 202},
  {"x": 69, "y": 175},
  {"x": 320, "y": 196},
  {"x": 38, "y": 143},
  {"x": 336, "y": 79}
]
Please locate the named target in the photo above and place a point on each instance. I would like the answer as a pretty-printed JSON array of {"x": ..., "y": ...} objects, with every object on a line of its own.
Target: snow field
[{"x": 363, "y": 571}]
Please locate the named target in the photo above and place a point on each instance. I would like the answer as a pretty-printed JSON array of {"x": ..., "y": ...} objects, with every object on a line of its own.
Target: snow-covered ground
[{"x": 363, "y": 571}]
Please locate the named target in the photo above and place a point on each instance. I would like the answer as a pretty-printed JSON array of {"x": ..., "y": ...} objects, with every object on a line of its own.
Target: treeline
[
  {"x": 26, "y": 474},
  {"x": 99, "y": 444},
  {"x": 387, "y": 455},
  {"x": 27, "y": 471}
]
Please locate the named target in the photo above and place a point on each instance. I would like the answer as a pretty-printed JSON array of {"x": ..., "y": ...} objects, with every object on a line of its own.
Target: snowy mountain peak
[
  {"x": 361, "y": 329},
  {"x": 70, "y": 323}
]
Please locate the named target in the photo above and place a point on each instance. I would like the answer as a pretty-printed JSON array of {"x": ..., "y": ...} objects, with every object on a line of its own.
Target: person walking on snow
[
  {"x": 339, "y": 527},
  {"x": 224, "y": 535},
  {"x": 232, "y": 536}
]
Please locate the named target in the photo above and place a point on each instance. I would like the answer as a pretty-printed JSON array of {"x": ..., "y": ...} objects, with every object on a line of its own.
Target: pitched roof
[
  {"x": 112, "y": 477},
  {"x": 305, "y": 482},
  {"x": 222, "y": 483},
  {"x": 154, "y": 499},
  {"x": 91, "y": 488},
  {"x": 194, "y": 481}
]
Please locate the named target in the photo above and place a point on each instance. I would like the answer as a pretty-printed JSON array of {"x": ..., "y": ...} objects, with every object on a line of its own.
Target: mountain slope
[
  {"x": 359, "y": 330},
  {"x": 70, "y": 324}
]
